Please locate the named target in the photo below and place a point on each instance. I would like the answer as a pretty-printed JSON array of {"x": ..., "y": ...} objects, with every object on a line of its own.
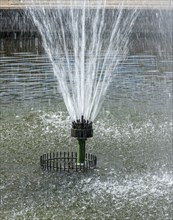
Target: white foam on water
[
  {"x": 107, "y": 128},
  {"x": 131, "y": 187}
]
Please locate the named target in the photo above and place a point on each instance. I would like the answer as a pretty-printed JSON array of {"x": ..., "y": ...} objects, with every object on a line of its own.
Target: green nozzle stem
[{"x": 81, "y": 151}]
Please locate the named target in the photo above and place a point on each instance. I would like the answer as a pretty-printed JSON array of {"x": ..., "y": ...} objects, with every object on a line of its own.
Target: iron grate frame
[{"x": 67, "y": 161}]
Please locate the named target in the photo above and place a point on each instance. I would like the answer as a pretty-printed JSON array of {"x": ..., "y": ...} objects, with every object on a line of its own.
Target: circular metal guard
[{"x": 67, "y": 161}]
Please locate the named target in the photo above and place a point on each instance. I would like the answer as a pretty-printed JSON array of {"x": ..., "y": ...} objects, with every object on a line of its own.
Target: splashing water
[{"x": 79, "y": 42}]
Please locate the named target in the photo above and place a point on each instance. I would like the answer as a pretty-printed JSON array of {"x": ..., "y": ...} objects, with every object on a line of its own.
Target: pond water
[{"x": 132, "y": 140}]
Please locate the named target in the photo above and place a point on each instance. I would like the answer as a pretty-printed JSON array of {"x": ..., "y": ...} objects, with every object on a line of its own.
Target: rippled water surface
[{"x": 132, "y": 140}]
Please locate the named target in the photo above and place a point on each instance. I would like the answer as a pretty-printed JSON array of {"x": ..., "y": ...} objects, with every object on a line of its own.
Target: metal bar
[
  {"x": 41, "y": 161},
  {"x": 50, "y": 160},
  {"x": 72, "y": 159},
  {"x": 44, "y": 162},
  {"x": 95, "y": 161},
  {"x": 89, "y": 160},
  {"x": 76, "y": 160},
  {"x": 68, "y": 162},
  {"x": 47, "y": 161},
  {"x": 53, "y": 160},
  {"x": 64, "y": 161},
  {"x": 57, "y": 161},
  {"x": 86, "y": 160},
  {"x": 60, "y": 162}
]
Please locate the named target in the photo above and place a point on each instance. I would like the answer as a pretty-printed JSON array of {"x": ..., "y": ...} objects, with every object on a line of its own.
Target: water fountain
[
  {"x": 132, "y": 134},
  {"x": 79, "y": 40}
]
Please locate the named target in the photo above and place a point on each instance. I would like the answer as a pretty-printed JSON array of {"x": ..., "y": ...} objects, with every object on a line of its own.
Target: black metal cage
[{"x": 67, "y": 161}]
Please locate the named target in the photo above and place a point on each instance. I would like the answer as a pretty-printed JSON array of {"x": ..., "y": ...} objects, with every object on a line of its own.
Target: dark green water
[{"x": 132, "y": 140}]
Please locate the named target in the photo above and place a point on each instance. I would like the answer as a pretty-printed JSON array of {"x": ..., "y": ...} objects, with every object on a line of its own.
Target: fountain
[
  {"x": 79, "y": 41},
  {"x": 132, "y": 131}
]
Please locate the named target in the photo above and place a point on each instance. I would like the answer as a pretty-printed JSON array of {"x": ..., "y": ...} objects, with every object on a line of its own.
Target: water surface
[{"x": 132, "y": 140}]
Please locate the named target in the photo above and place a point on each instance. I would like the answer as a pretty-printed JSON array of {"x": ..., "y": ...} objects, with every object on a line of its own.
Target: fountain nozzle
[{"x": 82, "y": 129}]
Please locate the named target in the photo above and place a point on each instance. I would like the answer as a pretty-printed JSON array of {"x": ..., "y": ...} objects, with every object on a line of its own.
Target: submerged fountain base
[{"x": 69, "y": 161}]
